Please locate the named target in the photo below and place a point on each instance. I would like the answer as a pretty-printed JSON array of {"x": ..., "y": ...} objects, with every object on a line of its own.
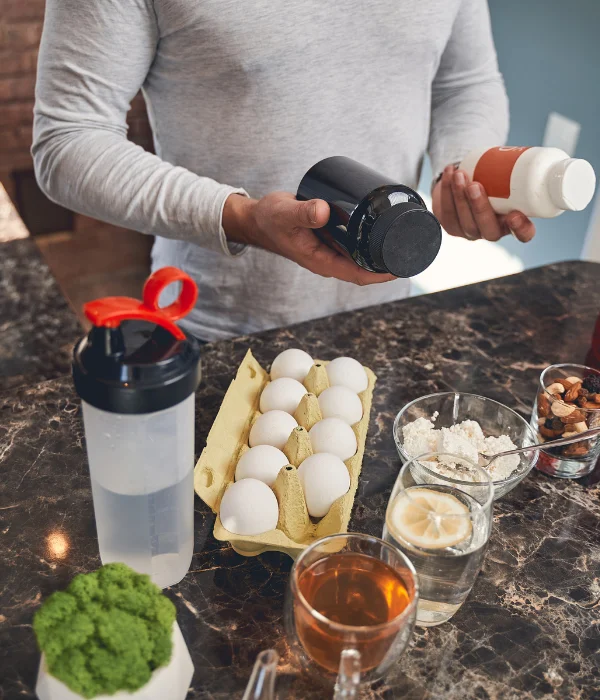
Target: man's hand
[
  {"x": 463, "y": 209},
  {"x": 280, "y": 223}
]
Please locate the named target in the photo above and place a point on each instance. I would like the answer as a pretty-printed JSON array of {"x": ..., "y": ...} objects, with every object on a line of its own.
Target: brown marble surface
[
  {"x": 531, "y": 627},
  {"x": 37, "y": 326}
]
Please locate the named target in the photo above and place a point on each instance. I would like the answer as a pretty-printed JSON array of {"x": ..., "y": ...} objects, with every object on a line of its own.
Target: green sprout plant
[{"x": 108, "y": 631}]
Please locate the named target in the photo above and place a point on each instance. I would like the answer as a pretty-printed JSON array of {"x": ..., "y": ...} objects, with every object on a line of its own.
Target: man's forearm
[
  {"x": 469, "y": 107},
  {"x": 82, "y": 157},
  {"x": 466, "y": 118},
  {"x": 103, "y": 175}
]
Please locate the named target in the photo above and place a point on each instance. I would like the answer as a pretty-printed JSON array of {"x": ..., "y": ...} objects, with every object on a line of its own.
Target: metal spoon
[{"x": 486, "y": 460}]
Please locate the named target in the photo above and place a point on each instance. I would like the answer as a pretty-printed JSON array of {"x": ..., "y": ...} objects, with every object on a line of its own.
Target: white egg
[
  {"x": 272, "y": 428},
  {"x": 249, "y": 507},
  {"x": 335, "y": 436},
  {"x": 341, "y": 402},
  {"x": 324, "y": 478},
  {"x": 262, "y": 462},
  {"x": 291, "y": 363},
  {"x": 346, "y": 371},
  {"x": 283, "y": 394}
]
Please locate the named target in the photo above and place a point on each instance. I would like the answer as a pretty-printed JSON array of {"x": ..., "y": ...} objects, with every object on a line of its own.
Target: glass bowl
[
  {"x": 579, "y": 459},
  {"x": 494, "y": 418}
]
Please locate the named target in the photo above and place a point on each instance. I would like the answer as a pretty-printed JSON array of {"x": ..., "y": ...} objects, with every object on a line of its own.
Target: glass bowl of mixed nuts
[{"x": 567, "y": 403}]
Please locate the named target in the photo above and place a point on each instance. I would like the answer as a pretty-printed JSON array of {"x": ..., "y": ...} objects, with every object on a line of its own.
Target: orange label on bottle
[{"x": 494, "y": 168}]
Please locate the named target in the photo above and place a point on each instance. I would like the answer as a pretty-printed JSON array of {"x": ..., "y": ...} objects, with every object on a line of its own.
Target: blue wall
[{"x": 549, "y": 54}]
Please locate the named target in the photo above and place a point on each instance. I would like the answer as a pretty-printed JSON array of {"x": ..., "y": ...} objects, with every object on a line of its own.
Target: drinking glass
[
  {"x": 570, "y": 461},
  {"x": 350, "y": 592},
  {"x": 442, "y": 524}
]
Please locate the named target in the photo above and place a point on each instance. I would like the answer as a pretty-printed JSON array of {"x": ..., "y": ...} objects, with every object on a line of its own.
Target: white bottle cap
[{"x": 571, "y": 184}]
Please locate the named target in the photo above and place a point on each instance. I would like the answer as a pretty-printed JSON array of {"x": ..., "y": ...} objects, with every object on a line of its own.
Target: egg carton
[{"x": 228, "y": 440}]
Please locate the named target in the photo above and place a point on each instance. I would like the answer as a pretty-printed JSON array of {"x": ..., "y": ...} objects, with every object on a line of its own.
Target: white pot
[{"x": 172, "y": 681}]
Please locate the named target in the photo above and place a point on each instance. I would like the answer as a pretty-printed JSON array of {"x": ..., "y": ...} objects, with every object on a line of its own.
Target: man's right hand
[{"x": 280, "y": 223}]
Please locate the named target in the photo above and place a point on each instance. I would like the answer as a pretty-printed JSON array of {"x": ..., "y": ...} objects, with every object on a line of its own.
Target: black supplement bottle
[{"x": 383, "y": 226}]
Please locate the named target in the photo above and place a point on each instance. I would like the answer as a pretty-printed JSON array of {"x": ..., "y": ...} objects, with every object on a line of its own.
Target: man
[{"x": 243, "y": 98}]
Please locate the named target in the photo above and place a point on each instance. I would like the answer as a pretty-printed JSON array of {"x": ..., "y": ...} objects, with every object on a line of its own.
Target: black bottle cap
[
  {"x": 138, "y": 367},
  {"x": 405, "y": 239}
]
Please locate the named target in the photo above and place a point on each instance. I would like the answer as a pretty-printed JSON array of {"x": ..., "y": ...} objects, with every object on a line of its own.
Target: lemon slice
[{"x": 430, "y": 519}]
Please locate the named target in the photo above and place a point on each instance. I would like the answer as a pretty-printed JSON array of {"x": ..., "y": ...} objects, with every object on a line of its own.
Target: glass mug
[
  {"x": 351, "y": 593},
  {"x": 579, "y": 459},
  {"x": 443, "y": 525}
]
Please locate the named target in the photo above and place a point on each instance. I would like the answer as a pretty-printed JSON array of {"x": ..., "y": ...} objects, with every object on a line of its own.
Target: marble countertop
[
  {"x": 531, "y": 627},
  {"x": 37, "y": 326}
]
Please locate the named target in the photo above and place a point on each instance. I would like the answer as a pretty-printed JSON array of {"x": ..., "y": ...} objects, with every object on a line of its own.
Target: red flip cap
[{"x": 111, "y": 311}]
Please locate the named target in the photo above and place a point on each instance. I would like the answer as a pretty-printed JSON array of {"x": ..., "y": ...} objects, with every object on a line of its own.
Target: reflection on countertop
[
  {"x": 37, "y": 326},
  {"x": 530, "y": 628}
]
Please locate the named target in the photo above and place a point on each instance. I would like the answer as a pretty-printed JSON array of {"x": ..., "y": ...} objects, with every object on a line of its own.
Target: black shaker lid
[
  {"x": 136, "y": 368},
  {"x": 405, "y": 239},
  {"x": 135, "y": 359}
]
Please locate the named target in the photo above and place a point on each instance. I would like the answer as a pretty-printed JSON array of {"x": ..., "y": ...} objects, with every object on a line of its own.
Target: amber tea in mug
[{"x": 362, "y": 597}]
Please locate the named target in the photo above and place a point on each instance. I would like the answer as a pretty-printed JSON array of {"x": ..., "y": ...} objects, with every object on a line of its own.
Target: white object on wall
[{"x": 561, "y": 132}]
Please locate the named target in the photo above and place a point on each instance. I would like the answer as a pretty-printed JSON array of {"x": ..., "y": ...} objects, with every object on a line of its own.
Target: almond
[
  {"x": 576, "y": 450},
  {"x": 547, "y": 433},
  {"x": 562, "y": 410},
  {"x": 543, "y": 405},
  {"x": 566, "y": 383},
  {"x": 573, "y": 392},
  {"x": 572, "y": 418}
]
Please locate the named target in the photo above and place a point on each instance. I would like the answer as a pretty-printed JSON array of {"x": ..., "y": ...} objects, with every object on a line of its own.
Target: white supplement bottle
[{"x": 538, "y": 182}]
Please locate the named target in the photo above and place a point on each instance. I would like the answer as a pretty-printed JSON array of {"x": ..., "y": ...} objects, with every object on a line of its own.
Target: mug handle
[
  {"x": 261, "y": 685},
  {"x": 348, "y": 680}
]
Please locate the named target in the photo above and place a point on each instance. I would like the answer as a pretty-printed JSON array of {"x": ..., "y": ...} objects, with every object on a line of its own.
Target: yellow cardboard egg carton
[{"x": 228, "y": 440}]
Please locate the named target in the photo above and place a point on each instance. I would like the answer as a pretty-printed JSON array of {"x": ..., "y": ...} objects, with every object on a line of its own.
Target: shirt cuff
[
  {"x": 227, "y": 247},
  {"x": 449, "y": 156},
  {"x": 230, "y": 248},
  {"x": 438, "y": 176},
  {"x": 443, "y": 154}
]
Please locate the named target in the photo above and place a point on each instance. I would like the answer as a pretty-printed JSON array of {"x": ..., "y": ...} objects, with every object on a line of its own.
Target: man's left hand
[{"x": 463, "y": 209}]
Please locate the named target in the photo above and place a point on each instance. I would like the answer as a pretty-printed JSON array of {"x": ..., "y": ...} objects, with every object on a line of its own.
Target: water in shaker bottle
[{"x": 136, "y": 373}]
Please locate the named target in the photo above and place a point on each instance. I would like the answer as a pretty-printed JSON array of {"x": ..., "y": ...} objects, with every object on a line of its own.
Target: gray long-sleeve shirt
[{"x": 246, "y": 96}]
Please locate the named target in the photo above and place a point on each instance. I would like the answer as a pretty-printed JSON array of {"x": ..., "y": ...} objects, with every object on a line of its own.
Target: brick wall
[{"x": 20, "y": 30}]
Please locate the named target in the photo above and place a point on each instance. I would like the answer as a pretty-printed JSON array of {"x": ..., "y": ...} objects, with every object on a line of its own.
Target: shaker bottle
[
  {"x": 136, "y": 373},
  {"x": 382, "y": 225}
]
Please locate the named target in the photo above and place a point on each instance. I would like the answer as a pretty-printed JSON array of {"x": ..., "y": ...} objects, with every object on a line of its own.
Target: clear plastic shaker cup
[{"x": 136, "y": 373}]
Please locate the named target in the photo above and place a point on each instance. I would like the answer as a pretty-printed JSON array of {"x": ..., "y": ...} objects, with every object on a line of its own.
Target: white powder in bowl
[
  {"x": 465, "y": 440},
  {"x": 419, "y": 437}
]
